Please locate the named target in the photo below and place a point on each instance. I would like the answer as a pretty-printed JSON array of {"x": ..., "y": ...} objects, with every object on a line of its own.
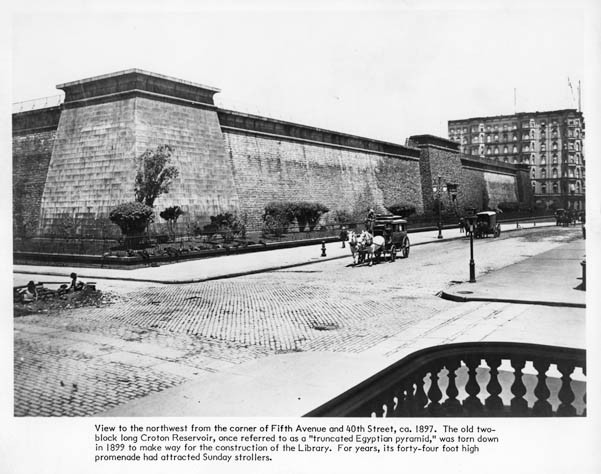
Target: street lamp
[
  {"x": 471, "y": 219},
  {"x": 439, "y": 189}
]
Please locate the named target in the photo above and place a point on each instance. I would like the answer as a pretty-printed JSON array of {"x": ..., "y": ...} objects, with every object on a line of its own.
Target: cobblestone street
[{"x": 87, "y": 360}]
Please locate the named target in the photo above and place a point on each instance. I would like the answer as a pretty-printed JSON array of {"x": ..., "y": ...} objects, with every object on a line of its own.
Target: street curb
[
  {"x": 465, "y": 299},
  {"x": 235, "y": 274}
]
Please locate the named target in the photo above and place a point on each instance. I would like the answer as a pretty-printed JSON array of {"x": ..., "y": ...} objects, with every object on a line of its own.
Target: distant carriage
[{"x": 486, "y": 224}]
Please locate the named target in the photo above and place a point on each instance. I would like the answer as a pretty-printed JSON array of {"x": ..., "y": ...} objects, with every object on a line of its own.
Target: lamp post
[
  {"x": 439, "y": 189},
  {"x": 472, "y": 222}
]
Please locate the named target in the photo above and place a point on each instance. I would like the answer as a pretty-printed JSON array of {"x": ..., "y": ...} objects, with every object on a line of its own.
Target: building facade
[{"x": 551, "y": 143}]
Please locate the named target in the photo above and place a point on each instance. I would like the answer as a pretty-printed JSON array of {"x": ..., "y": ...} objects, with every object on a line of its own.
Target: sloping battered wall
[
  {"x": 99, "y": 136},
  {"x": 33, "y": 139},
  {"x": 283, "y": 169}
]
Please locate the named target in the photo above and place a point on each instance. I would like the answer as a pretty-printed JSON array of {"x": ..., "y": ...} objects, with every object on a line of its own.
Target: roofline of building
[{"x": 517, "y": 115}]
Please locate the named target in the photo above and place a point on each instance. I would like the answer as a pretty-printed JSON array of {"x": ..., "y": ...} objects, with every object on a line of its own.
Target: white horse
[
  {"x": 353, "y": 243},
  {"x": 372, "y": 246}
]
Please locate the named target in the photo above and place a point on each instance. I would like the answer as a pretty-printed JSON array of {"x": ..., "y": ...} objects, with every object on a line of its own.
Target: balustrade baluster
[
  {"x": 410, "y": 403},
  {"x": 493, "y": 402},
  {"x": 402, "y": 408},
  {"x": 472, "y": 403},
  {"x": 451, "y": 404},
  {"x": 565, "y": 394},
  {"x": 542, "y": 407},
  {"x": 434, "y": 393},
  {"x": 421, "y": 399},
  {"x": 519, "y": 406}
]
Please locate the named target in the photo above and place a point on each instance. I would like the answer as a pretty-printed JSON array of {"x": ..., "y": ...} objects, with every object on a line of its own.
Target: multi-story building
[{"x": 550, "y": 142}]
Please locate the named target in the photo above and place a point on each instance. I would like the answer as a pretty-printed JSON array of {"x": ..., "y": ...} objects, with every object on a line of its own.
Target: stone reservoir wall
[
  {"x": 34, "y": 133},
  {"x": 269, "y": 168},
  {"x": 73, "y": 164}
]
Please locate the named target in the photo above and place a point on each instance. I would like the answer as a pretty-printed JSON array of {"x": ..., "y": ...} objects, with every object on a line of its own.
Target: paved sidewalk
[
  {"x": 551, "y": 278},
  {"x": 236, "y": 265},
  {"x": 293, "y": 384}
]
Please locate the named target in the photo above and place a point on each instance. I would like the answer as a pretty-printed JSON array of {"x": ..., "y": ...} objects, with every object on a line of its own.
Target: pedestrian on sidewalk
[{"x": 343, "y": 236}]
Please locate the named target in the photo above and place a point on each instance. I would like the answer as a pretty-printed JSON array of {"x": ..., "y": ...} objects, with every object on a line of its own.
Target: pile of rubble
[{"x": 45, "y": 297}]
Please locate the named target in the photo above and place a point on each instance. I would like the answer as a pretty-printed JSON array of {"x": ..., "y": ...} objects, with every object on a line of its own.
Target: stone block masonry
[
  {"x": 76, "y": 162},
  {"x": 268, "y": 168},
  {"x": 93, "y": 164},
  {"x": 33, "y": 139}
]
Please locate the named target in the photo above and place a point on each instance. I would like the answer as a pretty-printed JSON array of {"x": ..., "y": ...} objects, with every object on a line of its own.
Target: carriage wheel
[
  {"x": 405, "y": 248},
  {"x": 498, "y": 230},
  {"x": 392, "y": 253}
]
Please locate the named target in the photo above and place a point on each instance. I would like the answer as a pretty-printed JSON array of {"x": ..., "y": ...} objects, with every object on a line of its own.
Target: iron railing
[
  {"x": 471, "y": 379},
  {"x": 108, "y": 240}
]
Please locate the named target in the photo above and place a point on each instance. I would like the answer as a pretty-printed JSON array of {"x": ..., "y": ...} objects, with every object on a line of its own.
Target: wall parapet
[
  {"x": 38, "y": 120},
  {"x": 490, "y": 165},
  {"x": 130, "y": 80},
  {"x": 237, "y": 121}
]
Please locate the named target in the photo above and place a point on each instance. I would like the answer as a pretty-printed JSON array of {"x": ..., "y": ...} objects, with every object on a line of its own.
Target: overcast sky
[{"x": 381, "y": 69}]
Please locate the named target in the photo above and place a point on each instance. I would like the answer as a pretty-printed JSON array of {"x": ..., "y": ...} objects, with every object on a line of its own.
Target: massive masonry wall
[
  {"x": 205, "y": 185},
  {"x": 91, "y": 166},
  {"x": 108, "y": 122},
  {"x": 270, "y": 169},
  {"x": 481, "y": 183},
  {"x": 33, "y": 138},
  {"x": 73, "y": 164}
]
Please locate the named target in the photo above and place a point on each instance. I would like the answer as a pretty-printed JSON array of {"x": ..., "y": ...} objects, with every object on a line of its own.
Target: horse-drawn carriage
[
  {"x": 389, "y": 238},
  {"x": 564, "y": 217},
  {"x": 486, "y": 224}
]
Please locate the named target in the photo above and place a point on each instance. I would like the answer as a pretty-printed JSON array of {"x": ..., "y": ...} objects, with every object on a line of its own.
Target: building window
[
  {"x": 554, "y": 146},
  {"x": 496, "y": 137},
  {"x": 543, "y": 147},
  {"x": 554, "y": 173},
  {"x": 526, "y": 147},
  {"x": 488, "y": 138},
  {"x": 578, "y": 187},
  {"x": 555, "y": 188},
  {"x": 543, "y": 188},
  {"x": 515, "y": 137},
  {"x": 543, "y": 173},
  {"x": 505, "y": 149},
  {"x": 571, "y": 173},
  {"x": 496, "y": 151},
  {"x": 488, "y": 151}
]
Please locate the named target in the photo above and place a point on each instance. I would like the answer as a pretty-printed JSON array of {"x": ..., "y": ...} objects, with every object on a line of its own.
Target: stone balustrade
[{"x": 480, "y": 379}]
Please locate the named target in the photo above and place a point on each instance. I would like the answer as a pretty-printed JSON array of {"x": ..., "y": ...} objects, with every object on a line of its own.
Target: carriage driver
[{"x": 369, "y": 222}]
